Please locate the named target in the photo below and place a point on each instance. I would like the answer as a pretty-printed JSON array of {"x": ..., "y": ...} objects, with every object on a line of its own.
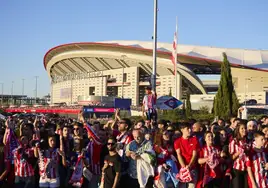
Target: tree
[
  {"x": 188, "y": 109},
  {"x": 170, "y": 92},
  {"x": 204, "y": 110},
  {"x": 225, "y": 101}
]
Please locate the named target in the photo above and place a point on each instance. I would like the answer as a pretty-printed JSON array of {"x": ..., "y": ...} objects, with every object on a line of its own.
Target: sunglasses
[
  {"x": 110, "y": 144},
  {"x": 170, "y": 131},
  {"x": 76, "y": 129}
]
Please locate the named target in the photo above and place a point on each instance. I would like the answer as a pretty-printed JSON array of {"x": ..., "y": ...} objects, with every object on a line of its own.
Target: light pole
[
  {"x": 12, "y": 84},
  {"x": 155, "y": 46},
  {"x": 22, "y": 92},
  {"x": 36, "y": 77},
  {"x": 2, "y": 93}
]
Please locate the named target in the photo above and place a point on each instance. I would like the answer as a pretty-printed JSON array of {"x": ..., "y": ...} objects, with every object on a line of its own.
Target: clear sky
[{"x": 30, "y": 28}]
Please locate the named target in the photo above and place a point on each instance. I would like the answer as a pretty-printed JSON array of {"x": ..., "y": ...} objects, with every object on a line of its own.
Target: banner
[
  {"x": 58, "y": 110},
  {"x": 122, "y": 104},
  {"x": 167, "y": 103}
]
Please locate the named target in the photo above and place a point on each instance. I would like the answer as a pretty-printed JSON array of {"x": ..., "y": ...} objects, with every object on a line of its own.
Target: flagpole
[
  {"x": 176, "y": 72},
  {"x": 153, "y": 79}
]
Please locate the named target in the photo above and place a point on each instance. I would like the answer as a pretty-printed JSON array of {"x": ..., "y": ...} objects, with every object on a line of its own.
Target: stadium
[{"x": 89, "y": 72}]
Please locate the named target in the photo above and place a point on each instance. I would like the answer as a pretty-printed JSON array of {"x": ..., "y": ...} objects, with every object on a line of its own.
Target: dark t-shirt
[
  {"x": 2, "y": 160},
  {"x": 104, "y": 152},
  {"x": 114, "y": 166}
]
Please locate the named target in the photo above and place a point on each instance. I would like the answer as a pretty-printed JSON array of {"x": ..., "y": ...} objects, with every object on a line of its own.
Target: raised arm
[
  {"x": 90, "y": 131},
  {"x": 92, "y": 134},
  {"x": 7, "y": 131}
]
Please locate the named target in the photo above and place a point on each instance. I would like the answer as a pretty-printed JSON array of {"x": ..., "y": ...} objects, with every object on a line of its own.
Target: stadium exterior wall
[{"x": 109, "y": 58}]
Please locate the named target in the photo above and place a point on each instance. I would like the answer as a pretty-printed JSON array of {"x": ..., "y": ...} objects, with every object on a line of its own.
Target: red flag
[{"x": 174, "y": 52}]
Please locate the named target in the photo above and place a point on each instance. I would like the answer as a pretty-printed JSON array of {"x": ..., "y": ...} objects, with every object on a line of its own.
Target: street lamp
[
  {"x": 36, "y": 77},
  {"x": 155, "y": 46},
  {"x": 2, "y": 95},
  {"x": 12, "y": 84},
  {"x": 22, "y": 92}
]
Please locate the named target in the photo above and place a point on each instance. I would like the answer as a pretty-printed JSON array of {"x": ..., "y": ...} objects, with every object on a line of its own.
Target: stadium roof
[
  {"x": 195, "y": 55},
  {"x": 100, "y": 56}
]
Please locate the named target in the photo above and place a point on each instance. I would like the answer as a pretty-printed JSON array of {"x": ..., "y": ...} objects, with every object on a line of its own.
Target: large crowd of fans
[{"x": 62, "y": 152}]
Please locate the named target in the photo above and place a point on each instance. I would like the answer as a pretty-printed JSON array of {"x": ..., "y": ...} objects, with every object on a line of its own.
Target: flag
[
  {"x": 174, "y": 52},
  {"x": 77, "y": 176}
]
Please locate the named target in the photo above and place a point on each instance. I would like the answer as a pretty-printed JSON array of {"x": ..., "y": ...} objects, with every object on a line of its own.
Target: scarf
[
  {"x": 184, "y": 175},
  {"x": 77, "y": 176},
  {"x": 209, "y": 173},
  {"x": 11, "y": 144}
]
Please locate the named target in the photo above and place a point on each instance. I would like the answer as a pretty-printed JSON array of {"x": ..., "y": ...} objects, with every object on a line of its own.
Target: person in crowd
[
  {"x": 166, "y": 159},
  {"x": 264, "y": 120},
  {"x": 51, "y": 131},
  {"x": 171, "y": 131},
  {"x": 148, "y": 124},
  {"x": 4, "y": 164},
  {"x": 149, "y": 104},
  {"x": 221, "y": 122},
  {"x": 67, "y": 140},
  {"x": 24, "y": 171},
  {"x": 210, "y": 158},
  {"x": 222, "y": 143},
  {"x": 11, "y": 143},
  {"x": 238, "y": 149},
  {"x": 264, "y": 129},
  {"x": 48, "y": 162},
  {"x": 251, "y": 128},
  {"x": 94, "y": 148},
  {"x": 78, "y": 154},
  {"x": 197, "y": 131},
  {"x": 161, "y": 125},
  {"x": 230, "y": 130},
  {"x": 83, "y": 150},
  {"x": 257, "y": 163},
  {"x": 186, "y": 148},
  {"x": 139, "y": 124},
  {"x": 78, "y": 129},
  {"x": 112, "y": 166},
  {"x": 123, "y": 139},
  {"x": 136, "y": 150}
]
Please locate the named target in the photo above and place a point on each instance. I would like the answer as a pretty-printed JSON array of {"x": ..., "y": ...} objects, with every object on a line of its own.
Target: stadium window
[
  {"x": 124, "y": 77},
  {"x": 91, "y": 90}
]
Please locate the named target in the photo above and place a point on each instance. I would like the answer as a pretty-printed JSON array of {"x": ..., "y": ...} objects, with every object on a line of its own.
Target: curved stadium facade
[{"x": 123, "y": 68}]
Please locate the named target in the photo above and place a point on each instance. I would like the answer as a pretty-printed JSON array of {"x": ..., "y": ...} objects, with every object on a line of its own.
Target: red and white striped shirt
[
  {"x": 257, "y": 161},
  {"x": 149, "y": 101},
  {"x": 208, "y": 151},
  {"x": 48, "y": 164},
  {"x": 123, "y": 140},
  {"x": 22, "y": 166},
  {"x": 238, "y": 146}
]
